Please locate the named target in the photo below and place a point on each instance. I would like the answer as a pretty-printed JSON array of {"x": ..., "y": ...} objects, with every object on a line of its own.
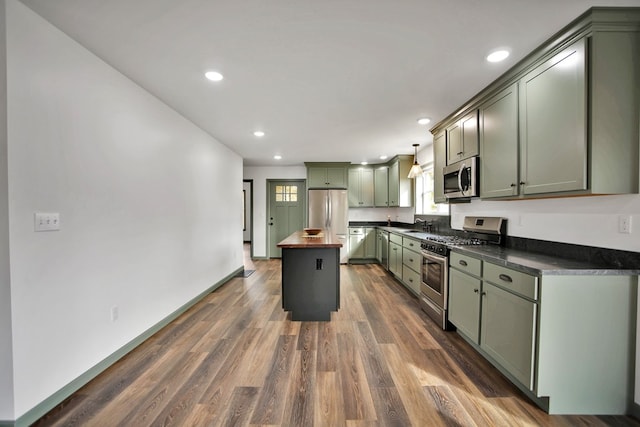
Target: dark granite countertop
[
  {"x": 538, "y": 264},
  {"x": 530, "y": 262}
]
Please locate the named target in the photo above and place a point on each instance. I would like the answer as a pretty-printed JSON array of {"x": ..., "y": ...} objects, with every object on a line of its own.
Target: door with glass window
[{"x": 285, "y": 212}]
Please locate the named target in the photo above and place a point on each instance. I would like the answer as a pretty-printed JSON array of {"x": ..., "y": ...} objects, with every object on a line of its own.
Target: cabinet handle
[
  {"x": 463, "y": 263},
  {"x": 476, "y": 290},
  {"x": 410, "y": 259},
  {"x": 459, "y": 152},
  {"x": 411, "y": 280},
  {"x": 512, "y": 185},
  {"x": 522, "y": 183},
  {"x": 505, "y": 277},
  {"x": 483, "y": 293}
]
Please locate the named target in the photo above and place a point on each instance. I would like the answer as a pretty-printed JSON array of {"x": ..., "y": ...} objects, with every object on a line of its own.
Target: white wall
[
  {"x": 6, "y": 345},
  {"x": 591, "y": 221},
  {"x": 150, "y": 205},
  {"x": 260, "y": 175},
  {"x": 381, "y": 214}
]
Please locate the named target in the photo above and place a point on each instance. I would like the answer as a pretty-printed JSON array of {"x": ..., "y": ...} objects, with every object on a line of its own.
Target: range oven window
[{"x": 433, "y": 273}]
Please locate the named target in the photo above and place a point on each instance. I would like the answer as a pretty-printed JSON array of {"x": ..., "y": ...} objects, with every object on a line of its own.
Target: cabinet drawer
[
  {"x": 356, "y": 231},
  {"x": 411, "y": 259},
  {"x": 395, "y": 238},
  {"x": 465, "y": 263},
  {"x": 515, "y": 281},
  {"x": 411, "y": 279},
  {"x": 412, "y": 244}
]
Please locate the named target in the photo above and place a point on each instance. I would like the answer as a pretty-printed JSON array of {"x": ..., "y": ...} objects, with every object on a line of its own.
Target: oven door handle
[{"x": 434, "y": 258}]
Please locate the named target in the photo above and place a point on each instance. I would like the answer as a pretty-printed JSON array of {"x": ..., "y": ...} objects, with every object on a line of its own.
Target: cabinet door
[
  {"x": 462, "y": 138},
  {"x": 337, "y": 177},
  {"x": 317, "y": 177},
  {"x": 366, "y": 187},
  {"x": 381, "y": 186},
  {"x": 394, "y": 184},
  {"x": 356, "y": 246},
  {"x": 395, "y": 259},
  {"x": 411, "y": 279},
  {"x": 553, "y": 131},
  {"x": 354, "y": 188},
  {"x": 379, "y": 246},
  {"x": 499, "y": 145},
  {"x": 360, "y": 187},
  {"x": 508, "y": 331},
  {"x": 439, "y": 162},
  {"x": 469, "y": 129},
  {"x": 464, "y": 303},
  {"x": 370, "y": 243},
  {"x": 454, "y": 142}
]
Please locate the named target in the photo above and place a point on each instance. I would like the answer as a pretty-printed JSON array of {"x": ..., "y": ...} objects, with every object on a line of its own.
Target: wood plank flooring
[{"x": 234, "y": 359}]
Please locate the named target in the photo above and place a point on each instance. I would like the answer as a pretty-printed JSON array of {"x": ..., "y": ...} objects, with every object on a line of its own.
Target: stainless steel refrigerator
[{"x": 330, "y": 209}]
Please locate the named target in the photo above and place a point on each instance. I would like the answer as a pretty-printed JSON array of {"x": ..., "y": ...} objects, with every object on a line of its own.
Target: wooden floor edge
[{"x": 38, "y": 411}]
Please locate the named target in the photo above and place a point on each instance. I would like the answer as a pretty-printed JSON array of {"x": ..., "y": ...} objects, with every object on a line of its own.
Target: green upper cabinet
[
  {"x": 564, "y": 121},
  {"x": 499, "y": 144},
  {"x": 360, "y": 187},
  {"x": 381, "y": 186},
  {"x": 327, "y": 175},
  {"x": 400, "y": 186},
  {"x": 553, "y": 131},
  {"x": 462, "y": 138},
  {"x": 439, "y": 162}
]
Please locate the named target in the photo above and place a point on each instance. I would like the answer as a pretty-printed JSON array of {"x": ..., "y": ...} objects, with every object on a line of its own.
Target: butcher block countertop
[{"x": 300, "y": 239}]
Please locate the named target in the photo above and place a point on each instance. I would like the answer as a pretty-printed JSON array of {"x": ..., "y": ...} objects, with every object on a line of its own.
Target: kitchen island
[{"x": 311, "y": 275}]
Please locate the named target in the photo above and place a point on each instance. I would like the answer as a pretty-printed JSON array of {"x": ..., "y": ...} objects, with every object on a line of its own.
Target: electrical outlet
[
  {"x": 624, "y": 224},
  {"x": 115, "y": 313},
  {"x": 46, "y": 221}
]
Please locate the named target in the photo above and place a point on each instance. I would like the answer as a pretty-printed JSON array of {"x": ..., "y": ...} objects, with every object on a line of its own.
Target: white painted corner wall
[
  {"x": 6, "y": 341},
  {"x": 150, "y": 208}
]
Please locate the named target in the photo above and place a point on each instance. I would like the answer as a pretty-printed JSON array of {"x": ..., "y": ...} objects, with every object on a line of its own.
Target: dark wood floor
[{"x": 236, "y": 359}]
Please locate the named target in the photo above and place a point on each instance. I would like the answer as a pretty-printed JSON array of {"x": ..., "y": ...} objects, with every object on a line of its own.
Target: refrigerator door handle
[{"x": 329, "y": 219}]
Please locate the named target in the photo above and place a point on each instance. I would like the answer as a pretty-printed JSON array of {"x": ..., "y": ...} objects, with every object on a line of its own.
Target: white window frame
[{"x": 424, "y": 194}]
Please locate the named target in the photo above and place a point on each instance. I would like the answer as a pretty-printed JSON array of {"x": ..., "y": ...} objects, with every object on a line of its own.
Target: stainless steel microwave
[{"x": 461, "y": 179}]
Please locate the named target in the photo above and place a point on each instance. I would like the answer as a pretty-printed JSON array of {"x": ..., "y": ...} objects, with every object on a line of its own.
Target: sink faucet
[{"x": 426, "y": 225}]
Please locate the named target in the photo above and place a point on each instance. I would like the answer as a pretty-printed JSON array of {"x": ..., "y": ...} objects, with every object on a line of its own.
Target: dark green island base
[{"x": 310, "y": 276}]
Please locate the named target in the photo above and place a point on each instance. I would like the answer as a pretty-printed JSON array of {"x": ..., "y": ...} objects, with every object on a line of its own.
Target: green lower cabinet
[
  {"x": 464, "y": 303},
  {"x": 395, "y": 259},
  {"x": 411, "y": 279},
  {"x": 508, "y": 331},
  {"x": 362, "y": 243},
  {"x": 566, "y": 340}
]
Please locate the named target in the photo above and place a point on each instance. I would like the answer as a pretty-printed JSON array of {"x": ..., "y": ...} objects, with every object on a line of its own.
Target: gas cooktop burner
[{"x": 456, "y": 240}]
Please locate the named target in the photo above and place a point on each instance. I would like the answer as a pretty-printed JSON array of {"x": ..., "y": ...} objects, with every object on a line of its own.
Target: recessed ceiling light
[
  {"x": 259, "y": 133},
  {"x": 277, "y": 157},
  {"x": 498, "y": 55},
  {"x": 364, "y": 163},
  {"x": 214, "y": 76},
  {"x": 424, "y": 120},
  {"x": 383, "y": 157}
]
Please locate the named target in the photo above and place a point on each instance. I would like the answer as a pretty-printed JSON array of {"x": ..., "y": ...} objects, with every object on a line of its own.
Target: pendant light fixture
[{"x": 416, "y": 170}]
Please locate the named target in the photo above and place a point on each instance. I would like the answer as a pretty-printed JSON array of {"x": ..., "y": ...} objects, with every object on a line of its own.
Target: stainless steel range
[{"x": 434, "y": 285}]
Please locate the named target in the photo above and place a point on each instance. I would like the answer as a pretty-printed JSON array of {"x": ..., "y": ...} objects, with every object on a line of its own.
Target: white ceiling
[{"x": 327, "y": 80}]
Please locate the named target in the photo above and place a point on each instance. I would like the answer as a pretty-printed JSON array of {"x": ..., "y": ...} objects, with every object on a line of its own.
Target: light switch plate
[{"x": 44, "y": 221}]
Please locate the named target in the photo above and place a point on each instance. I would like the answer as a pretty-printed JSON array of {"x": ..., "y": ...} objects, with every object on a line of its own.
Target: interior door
[{"x": 285, "y": 213}]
